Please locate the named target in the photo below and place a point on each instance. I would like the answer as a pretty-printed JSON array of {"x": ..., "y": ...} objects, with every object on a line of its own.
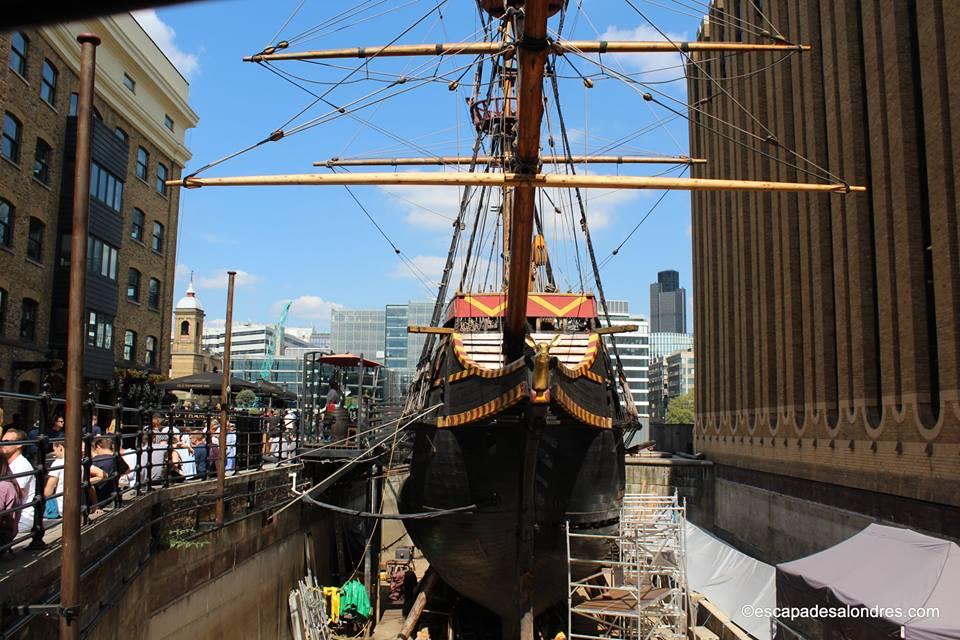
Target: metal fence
[{"x": 139, "y": 450}]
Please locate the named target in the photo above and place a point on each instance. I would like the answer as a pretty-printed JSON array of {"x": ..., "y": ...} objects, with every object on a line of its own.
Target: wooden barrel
[{"x": 497, "y": 8}]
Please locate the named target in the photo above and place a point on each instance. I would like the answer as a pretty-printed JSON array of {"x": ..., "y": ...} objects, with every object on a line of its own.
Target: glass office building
[{"x": 665, "y": 342}]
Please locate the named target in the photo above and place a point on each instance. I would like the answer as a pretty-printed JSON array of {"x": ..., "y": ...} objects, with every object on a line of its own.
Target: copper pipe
[
  {"x": 70, "y": 597},
  {"x": 225, "y": 401}
]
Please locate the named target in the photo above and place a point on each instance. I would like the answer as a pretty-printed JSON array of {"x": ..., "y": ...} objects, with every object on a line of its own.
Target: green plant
[
  {"x": 246, "y": 398},
  {"x": 681, "y": 409},
  {"x": 183, "y": 539}
]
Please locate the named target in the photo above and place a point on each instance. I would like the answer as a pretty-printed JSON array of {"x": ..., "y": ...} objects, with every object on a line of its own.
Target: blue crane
[{"x": 272, "y": 352}]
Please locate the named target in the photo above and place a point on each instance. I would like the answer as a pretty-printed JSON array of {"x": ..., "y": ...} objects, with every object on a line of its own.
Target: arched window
[{"x": 184, "y": 328}]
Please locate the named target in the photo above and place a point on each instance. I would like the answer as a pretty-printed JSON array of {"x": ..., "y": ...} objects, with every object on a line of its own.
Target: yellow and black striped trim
[
  {"x": 573, "y": 374},
  {"x": 461, "y": 352},
  {"x": 516, "y": 365},
  {"x": 578, "y": 412},
  {"x": 508, "y": 399}
]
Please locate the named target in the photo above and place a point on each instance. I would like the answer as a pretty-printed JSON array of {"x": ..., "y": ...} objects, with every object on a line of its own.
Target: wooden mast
[
  {"x": 423, "y": 161},
  {"x": 491, "y": 48},
  {"x": 436, "y": 178},
  {"x": 532, "y": 59}
]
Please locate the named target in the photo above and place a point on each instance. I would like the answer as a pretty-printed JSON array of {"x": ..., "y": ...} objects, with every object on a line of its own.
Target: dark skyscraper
[{"x": 668, "y": 304}]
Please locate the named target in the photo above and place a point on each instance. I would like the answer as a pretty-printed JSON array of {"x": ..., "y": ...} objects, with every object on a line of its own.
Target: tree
[
  {"x": 681, "y": 409},
  {"x": 246, "y": 398}
]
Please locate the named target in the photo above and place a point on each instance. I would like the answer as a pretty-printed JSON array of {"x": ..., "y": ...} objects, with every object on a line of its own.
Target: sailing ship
[{"x": 522, "y": 402}]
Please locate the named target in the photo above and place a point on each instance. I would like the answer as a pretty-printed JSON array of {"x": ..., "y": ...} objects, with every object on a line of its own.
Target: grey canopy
[{"x": 880, "y": 567}]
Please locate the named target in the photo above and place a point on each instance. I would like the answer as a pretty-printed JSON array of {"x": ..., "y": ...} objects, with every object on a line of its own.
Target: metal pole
[
  {"x": 76, "y": 336},
  {"x": 225, "y": 400}
]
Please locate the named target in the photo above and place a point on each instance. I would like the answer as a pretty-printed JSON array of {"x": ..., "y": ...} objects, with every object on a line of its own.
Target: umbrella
[
  {"x": 267, "y": 388},
  {"x": 347, "y": 360},
  {"x": 206, "y": 381}
]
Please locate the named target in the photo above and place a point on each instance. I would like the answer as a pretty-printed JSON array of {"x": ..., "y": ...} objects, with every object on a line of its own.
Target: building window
[
  {"x": 121, "y": 135},
  {"x": 28, "y": 320},
  {"x": 12, "y": 130},
  {"x": 137, "y": 220},
  {"x": 101, "y": 258},
  {"x": 74, "y": 101},
  {"x": 19, "y": 44},
  {"x": 3, "y": 311},
  {"x": 100, "y": 331},
  {"x": 6, "y": 223},
  {"x": 35, "y": 240},
  {"x": 133, "y": 285},
  {"x": 41, "y": 161},
  {"x": 150, "y": 351},
  {"x": 168, "y": 122},
  {"x": 153, "y": 294},
  {"x": 106, "y": 187},
  {"x": 129, "y": 82},
  {"x": 143, "y": 159},
  {"x": 48, "y": 83},
  {"x": 185, "y": 328},
  {"x": 97, "y": 115},
  {"x": 130, "y": 346},
  {"x": 156, "y": 241},
  {"x": 161, "y": 179}
]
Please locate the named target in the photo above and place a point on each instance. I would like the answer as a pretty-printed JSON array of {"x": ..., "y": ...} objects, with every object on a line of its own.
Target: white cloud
[
  {"x": 427, "y": 207},
  {"x": 164, "y": 35},
  {"x": 431, "y": 267},
  {"x": 308, "y": 308},
  {"x": 654, "y": 66},
  {"x": 218, "y": 279}
]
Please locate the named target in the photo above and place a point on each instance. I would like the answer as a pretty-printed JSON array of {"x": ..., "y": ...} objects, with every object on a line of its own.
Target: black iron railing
[{"x": 138, "y": 451}]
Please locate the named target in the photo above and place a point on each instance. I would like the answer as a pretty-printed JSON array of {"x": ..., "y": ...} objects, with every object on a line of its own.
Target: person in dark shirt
[{"x": 104, "y": 459}]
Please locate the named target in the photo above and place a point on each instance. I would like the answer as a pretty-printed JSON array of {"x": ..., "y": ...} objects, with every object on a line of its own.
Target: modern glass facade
[
  {"x": 665, "y": 342},
  {"x": 359, "y": 331},
  {"x": 634, "y": 351},
  {"x": 668, "y": 304}
]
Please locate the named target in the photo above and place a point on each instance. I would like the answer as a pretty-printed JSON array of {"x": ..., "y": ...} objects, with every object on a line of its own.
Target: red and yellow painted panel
[{"x": 539, "y": 305}]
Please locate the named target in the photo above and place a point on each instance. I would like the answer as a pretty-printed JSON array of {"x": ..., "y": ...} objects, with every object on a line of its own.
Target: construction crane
[{"x": 278, "y": 341}]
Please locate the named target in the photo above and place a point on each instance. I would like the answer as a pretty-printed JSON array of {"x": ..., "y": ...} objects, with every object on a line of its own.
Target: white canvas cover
[
  {"x": 881, "y": 567},
  {"x": 731, "y": 580}
]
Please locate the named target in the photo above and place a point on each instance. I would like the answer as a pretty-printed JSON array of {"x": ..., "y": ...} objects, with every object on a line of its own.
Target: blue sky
[{"x": 313, "y": 244}]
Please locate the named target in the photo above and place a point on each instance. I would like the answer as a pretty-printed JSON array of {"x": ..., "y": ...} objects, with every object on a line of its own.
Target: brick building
[
  {"x": 828, "y": 390},
  {"x": 141, "y": 114}
]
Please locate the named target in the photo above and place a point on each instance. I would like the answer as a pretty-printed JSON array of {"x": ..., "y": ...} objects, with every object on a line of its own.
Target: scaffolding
[{"x": 636, "y": 586}]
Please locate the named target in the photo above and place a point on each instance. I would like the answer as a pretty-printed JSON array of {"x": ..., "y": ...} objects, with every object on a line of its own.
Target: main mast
[{"x": 533, "y": 48}]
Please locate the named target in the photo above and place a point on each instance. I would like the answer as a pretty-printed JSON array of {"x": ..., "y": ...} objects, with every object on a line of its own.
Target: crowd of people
[{"x": 176, "y": 447}]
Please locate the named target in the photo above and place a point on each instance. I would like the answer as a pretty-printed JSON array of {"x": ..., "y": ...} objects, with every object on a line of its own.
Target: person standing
[{"x": 27, "y": 481}]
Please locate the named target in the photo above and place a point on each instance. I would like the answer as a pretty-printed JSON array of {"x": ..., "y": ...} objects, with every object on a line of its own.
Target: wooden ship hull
[{"x": 535, "y": 443}]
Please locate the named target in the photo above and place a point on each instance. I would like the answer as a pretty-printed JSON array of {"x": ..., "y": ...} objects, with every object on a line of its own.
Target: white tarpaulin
[{"x": 731, "y": 580}]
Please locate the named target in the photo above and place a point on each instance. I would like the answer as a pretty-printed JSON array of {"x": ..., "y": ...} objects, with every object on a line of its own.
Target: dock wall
[{"x": 147, "y": 574}]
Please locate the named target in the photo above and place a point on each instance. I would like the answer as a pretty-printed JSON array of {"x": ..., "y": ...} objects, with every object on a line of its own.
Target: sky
[{"x": 315, "y": 245}]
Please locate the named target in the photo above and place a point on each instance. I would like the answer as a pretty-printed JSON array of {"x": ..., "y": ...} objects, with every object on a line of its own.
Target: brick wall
[{"x": 827, "y": 324}]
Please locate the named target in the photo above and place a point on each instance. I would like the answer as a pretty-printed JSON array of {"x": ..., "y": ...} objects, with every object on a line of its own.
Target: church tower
[{"x": 187, "y": 355}]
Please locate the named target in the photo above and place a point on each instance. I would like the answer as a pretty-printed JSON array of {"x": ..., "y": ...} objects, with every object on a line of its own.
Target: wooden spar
[
  {"x": 424, "y": 329},
  {"x": 484, "y": 160},
  {"x": 532, "y": 58},
  {"x": 433, "y": 178},
  {"x": 494, "y": 47}
]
